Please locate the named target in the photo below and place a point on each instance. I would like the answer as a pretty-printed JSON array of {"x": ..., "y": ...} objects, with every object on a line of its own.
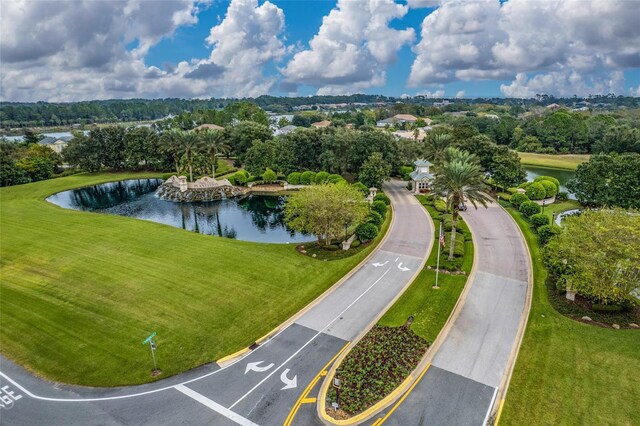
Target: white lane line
[
  {"x": 493, "y": 400},
  {"x": 312, "y": 339},
  {"x": 215, "y": 406}
]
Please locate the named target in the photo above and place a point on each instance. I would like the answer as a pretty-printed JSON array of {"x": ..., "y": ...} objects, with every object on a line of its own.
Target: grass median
[
  {"x": 569, "y": 372},
  {"x": 80, "y": 291},
  {"x": 554, "y": 161}
]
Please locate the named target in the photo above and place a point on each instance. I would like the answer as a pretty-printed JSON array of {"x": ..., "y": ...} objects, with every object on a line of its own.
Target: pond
[
  {"x": 562, "y": 175},
  {"x": 252, "y": 218}
]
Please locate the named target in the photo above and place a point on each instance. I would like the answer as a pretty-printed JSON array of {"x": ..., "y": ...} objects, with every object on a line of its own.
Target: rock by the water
[
  {"x": 634, "y": 325},
  {"x": 586, "y": 319},
  {"x": 167, "y": 191},
  {"x": 616, "y": 326}
]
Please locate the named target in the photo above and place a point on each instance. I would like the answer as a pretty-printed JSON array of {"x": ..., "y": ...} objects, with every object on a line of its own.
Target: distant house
[
  {"x": 208, "y": 127},
  {"x": 56, "y": 144},
  {"x": 401, "y": 119},
  {"x": 411, "y": 134},
  {"x": 492, "y": 116},
  {"x": 553, "y": 106},
  {"x": 285, "y": 130},
  {"x": 323, "y": 123},
  {"x": 421, "y": 178}
]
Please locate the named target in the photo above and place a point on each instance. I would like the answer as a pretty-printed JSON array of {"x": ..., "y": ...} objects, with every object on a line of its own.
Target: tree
[
  {"x": 436, "y": 144},
  {"x": 374, "y": 171},
  {"x": 141, "y": 147},
  {"x": 506, "y": 169},
  {"x": 324, "y": 210},
  {"x": 260, "y": 156},
  {"x": 608, "y": 180},
  {"x": 188, "y": 148},
  {"x": 242, "y": 135},
  {"x": 170, "y": 144},
  {"x": 597, "y": 255},
  {"x": 460, "y": 181},
  {"x": 31, "y": 137},
  {"x": 212, "y": 143}
]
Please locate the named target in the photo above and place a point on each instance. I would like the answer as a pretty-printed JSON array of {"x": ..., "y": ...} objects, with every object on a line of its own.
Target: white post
[{"x": 438, "y": 261}]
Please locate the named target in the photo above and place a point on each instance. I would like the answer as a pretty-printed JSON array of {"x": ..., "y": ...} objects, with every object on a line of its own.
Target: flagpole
[{"x": 438, "y": 261}]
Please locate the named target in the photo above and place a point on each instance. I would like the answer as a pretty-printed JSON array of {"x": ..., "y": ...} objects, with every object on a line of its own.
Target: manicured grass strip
[
  {"x": 562, "y": 161},
  {"x": 80, "y": 291},
  {"x": 568, "y": 372}
]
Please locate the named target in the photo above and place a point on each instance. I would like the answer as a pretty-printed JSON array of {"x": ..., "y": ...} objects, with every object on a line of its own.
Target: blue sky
[{"x": 85, "y": 49}]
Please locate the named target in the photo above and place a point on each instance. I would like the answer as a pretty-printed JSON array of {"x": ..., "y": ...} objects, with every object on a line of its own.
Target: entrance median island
[{"x": 387, "y": 355}]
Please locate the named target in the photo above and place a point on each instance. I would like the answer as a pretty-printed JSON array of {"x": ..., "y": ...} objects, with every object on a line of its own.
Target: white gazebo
[{"x": 421, "y": 177}]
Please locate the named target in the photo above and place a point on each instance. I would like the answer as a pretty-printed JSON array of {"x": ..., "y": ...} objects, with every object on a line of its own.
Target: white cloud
[
  {"x": 635, "y": 92},
  {"x": 460, "y": 94},
  {"x": 580, "y": 42},
  {"x": 418, "y": 4},
  {"x": 563, "y": 83},
  {"x": 78, "y": 50},
  {"x": 352, "y": 48},
  {"x": 435, "y": 94}
]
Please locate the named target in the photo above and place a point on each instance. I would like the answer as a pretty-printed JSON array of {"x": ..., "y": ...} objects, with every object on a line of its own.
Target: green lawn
[
  {"x": 563, "y": 161},
  {"x": 560, "y": 206},
  {"x": 567, "y": 372},
  {"x": 80, "y": 291}
]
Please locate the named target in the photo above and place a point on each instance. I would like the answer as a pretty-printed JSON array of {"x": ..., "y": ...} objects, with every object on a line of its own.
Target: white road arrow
[
  {"x": 402, "y": 268},
  {"x": 375, "y": 265},
  {"x": 253, "y": 366},
  {"x": 288, "y": 384}
]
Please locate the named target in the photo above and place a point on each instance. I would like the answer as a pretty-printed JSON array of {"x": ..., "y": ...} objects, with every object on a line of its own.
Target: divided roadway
[{"x": 263, "y": 386}]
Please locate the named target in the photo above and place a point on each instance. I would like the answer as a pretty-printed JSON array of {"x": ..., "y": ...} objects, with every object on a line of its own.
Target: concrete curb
[
  {"x": 496, "y": 410},
  {"x": 396, "y": 393},
  {"x": 230, "y": 359}
]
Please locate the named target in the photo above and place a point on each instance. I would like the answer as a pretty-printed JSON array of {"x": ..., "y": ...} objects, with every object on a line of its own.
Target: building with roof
[
  {"x": 208, "y": 127},
  {"x": 285, "y": 130},
  {"x": 56, "y": 144},
  {"x": 401, "y": 119},
  {"x": 323, "y": 123},
  {"x": 421, "y": 177}
]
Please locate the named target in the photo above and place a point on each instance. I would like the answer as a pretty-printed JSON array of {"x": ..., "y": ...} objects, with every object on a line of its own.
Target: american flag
[{"x": 441, "y": 236}]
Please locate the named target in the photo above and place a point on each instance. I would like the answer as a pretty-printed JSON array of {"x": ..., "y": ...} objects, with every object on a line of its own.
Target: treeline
[{"x": 16, "y": 114}]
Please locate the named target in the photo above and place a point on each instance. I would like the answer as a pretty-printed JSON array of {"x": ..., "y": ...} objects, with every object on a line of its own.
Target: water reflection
[{"x": 253, "y": 218}]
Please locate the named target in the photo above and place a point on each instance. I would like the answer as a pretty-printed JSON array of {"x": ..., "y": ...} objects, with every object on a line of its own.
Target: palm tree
[
  {"x": 460, "y": 179},
  {"x": 212, "y": 143},
  {"x": 170, "y": 144},
  {"x": 188, "y": 147},
  {"x": 435, "y": 146}
]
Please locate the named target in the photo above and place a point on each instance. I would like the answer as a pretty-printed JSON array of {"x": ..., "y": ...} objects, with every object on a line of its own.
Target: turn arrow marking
[
  {"x": 402, "y": 268},
  {"x": 253, "y": 366},
  {"x": 375, "y": 265},
  {"x": 288, "y": 384}
]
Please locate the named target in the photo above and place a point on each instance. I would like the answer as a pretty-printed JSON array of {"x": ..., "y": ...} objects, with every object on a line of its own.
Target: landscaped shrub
[
  {"x": 307, "y": 178},
  {"x": 380, "y": 207},
  {"x": 440, "y": 205},
  {"x": 355, "y": 243},
  {"x": 458, "y": 248},
  {"x": 237, "y": 163},
  {"x": 550, "y": 188},
  {"x": 524, "y": 185},
  {"x": 240, "y": 178},
  {"x": 555, "y": 181},
  {"x": 545, "y": 232},
  {"x": 335, "y": 178},
  {"x": 321, "y": 177},
  {"x": 512, "y": 190},
  {"x": 332, "y": 247},
  {"x": 382, "y": 197},
  {"x": 536, "y": 191},
  {"x": 539, "y": 219},
  {"x": 269, "y": 176},
  {"x": 375, "y": 218},
  {"x": 606, "y": 308},
  {"x": 518, "y": 198},
  {"x": 562, "y": 196},
  {"x": 366, "y": 232},
  {"x": 405, "y": 171},
  {"x": 447, "y": 223},
  {"x": 529, "y": 208},
  {"x": 362, "y": 187},
  {"x": 294, "y": 178}
]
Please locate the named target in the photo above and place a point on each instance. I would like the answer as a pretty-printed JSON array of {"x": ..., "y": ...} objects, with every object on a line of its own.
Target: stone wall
[{"x": 168, "y": 191}]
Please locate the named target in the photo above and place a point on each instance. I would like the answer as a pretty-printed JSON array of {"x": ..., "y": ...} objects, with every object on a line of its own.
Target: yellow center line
[
  {"x": 303, "y": 397},
  {"x": 401, "y": 400}
]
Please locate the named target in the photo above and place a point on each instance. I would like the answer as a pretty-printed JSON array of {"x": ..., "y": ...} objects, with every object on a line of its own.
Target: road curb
[
  {"x": 496, "y": 410},
  {"x": 396, "y": 393},
  {"x": 236, "y": 356}
]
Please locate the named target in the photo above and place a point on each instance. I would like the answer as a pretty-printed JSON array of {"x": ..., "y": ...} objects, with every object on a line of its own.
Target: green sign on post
[
  {"x": 152, "y": 345},
  {"x": 149, "y": 338}
]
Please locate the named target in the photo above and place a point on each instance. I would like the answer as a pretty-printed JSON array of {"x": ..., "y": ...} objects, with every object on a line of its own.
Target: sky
[{"x": 60, "y": 51}]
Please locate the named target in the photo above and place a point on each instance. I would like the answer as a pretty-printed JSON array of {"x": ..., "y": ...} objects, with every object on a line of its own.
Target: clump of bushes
[
  {"x": 362, "y": 187},
  {"x": 546, "y": 232},
  {"x": 562, "y": 196},
  {"x": 518, "y": 198},
  {"x": 555, "y": 181},
  {"x": 380, "y": 207},
  {"x": 335, "y": 179},
  {"x": 321, "y": 177},
  {"x": 375, "y": 218},
  {"x": 405, "y": 171},
  {"x": 539, "y": 219},
  {"x": 294, "y": 178},
  {"x": 536, "y": 191},
  {"x": 440, "y": 205},
  {"x": 529, "y": 208},
  {"x": 307, "y": 178},
  {"x": 269, "y": 176},
  {"x": 366, "y": 232},
  {"x": 382, "y": 197},
  {"x": 550, "y": 188}
]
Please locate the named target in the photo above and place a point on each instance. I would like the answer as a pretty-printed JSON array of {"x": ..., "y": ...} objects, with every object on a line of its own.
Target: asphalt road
[
  {"x": 260, "y": 388},
  {"x": 466, "y": 371}
]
